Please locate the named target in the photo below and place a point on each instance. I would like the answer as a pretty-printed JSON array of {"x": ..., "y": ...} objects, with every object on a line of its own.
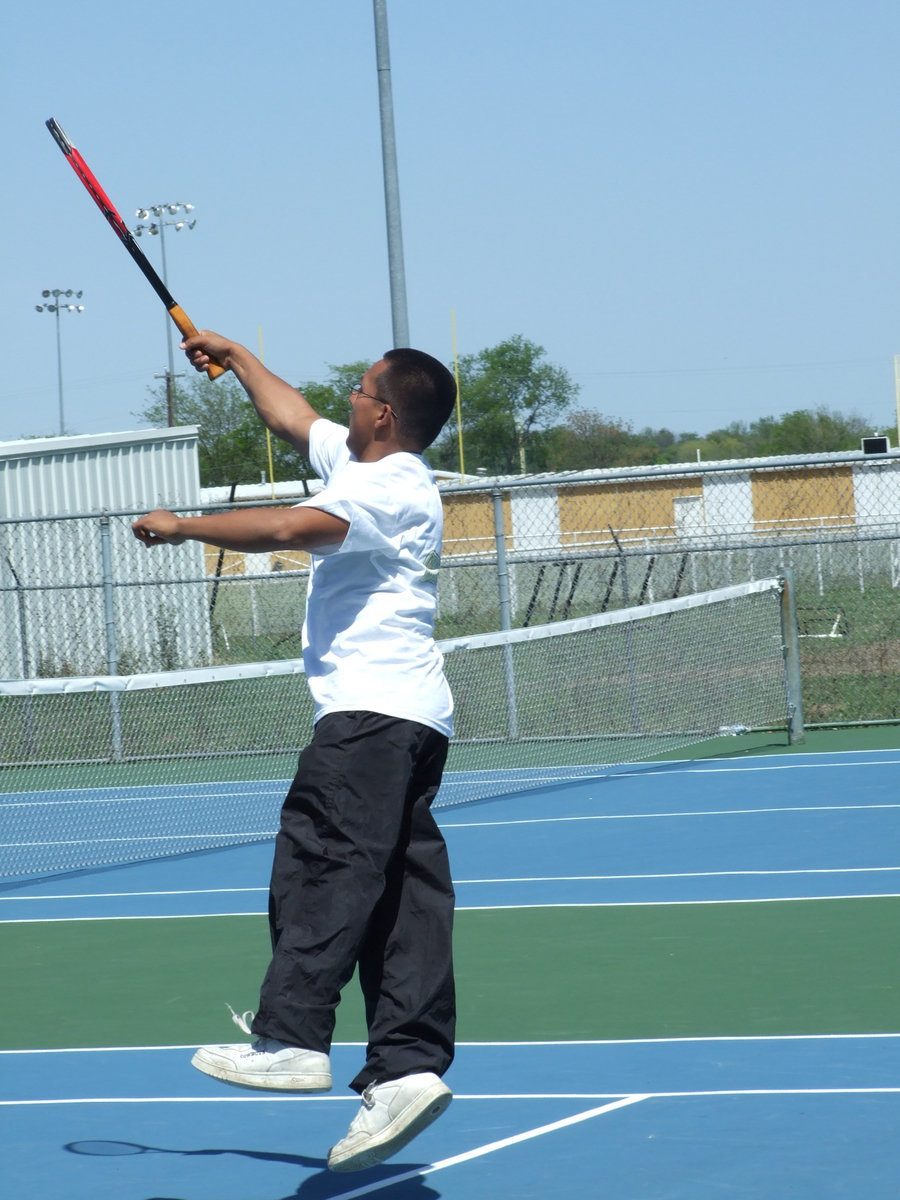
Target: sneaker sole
[
  {"x": 266, "y": 1083},
  {"x": 426, "y": 1109}
]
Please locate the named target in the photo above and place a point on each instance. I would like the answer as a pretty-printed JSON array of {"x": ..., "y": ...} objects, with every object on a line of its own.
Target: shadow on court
[{"x": 322, "y": 1185}]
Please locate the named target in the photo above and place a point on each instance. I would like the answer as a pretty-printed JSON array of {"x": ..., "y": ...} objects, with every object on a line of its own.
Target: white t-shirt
[{"x": 368, "y": 637}]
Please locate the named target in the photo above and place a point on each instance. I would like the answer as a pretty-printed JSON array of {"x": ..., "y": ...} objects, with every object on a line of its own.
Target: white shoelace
[{"x": 242, "y": 1020}]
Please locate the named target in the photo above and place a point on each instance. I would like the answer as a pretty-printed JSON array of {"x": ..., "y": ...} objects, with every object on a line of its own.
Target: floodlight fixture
[
  {"x": 154, "y": 228},
  {"x": 56, "y": 308}
]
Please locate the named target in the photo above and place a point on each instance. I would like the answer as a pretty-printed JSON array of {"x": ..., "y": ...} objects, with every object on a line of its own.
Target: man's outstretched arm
[
  {"x": 252, "y": 530},
  {"x": 285, "y": 410}
]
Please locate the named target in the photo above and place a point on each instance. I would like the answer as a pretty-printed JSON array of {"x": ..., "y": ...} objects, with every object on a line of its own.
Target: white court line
[
  {"x": 708, "y": 812},
  {"x": 662, "y": 1041},
  {"x": 136, "y": 917},
  {"x": 297, "y": 1099},
  {"x": 245, "y": 837},
  {"x": 659, "y": 903},
  {"x": 471, "y": 882},
  {"x": 460, "y": 908},
  {"x": 128, "y": 895},
  {"x": 188, "y": 792},
  {"x": 794, "y": 765},
  {"x": 272, "y": 1097},
  {"x": 664, "y": 875}
]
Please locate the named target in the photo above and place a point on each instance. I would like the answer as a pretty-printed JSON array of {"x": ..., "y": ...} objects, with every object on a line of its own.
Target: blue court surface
[{"x": 799, "y": 1115}]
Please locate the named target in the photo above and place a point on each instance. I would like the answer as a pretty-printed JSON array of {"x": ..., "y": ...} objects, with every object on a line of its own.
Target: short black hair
[{"x": 421, "y": 391}]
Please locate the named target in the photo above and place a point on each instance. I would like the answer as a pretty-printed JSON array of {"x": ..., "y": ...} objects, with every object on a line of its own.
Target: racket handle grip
[{"x": 189, "y": 329}]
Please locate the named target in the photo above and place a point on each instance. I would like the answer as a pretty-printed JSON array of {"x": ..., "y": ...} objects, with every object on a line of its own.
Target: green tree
[
  {"x": 232, "y": 443},
  {"x": 589, "y": 440},
  {"x": 332, "y": 398},
  {"x": 228, "y": 450},
  {"x": 510, "y": 397},
  {"x": 807, "y": 431},
  {"x": 804, "y": 431},
  {"x": 667, "y": 446}
]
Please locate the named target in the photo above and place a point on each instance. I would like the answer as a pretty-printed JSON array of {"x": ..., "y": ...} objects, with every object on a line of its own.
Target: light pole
[
  {"x": 397, "y": 271},
  {"x": 55, "y": 301},
  {"x": 161, "y": 212}
]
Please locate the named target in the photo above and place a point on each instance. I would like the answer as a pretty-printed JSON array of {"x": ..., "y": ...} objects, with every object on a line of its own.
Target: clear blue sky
[{"x": 692, "y": 205}]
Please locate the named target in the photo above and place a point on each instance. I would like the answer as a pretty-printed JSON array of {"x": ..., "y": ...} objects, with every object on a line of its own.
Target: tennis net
[{"x": 112, "y": 769}]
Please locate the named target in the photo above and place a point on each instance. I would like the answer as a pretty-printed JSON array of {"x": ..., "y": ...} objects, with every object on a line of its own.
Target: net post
[
  {"x": 512, "y": 717},
  {"x": 790, "y": 647},
  {"x": 112, "y": 653}
]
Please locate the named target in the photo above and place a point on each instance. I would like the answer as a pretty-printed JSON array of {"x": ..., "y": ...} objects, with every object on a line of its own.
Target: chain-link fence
[{"x": 80, "y": 596}]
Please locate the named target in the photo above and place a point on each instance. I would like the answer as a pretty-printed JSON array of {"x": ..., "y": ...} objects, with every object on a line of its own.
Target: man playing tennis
[{"x": 360, "y": 875}]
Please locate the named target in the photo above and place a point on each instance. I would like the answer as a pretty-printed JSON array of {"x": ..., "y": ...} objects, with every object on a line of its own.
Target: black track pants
[{"x": 361, "y": 877}]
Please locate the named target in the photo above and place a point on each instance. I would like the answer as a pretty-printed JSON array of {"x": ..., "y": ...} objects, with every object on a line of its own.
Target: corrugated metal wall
[
  {"x": 154, "y": 468},
  {"x": 52, "y": 570}
]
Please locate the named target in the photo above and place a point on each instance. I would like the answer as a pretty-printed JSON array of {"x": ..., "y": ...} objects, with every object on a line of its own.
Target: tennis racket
[{"x": 123, "y": 233}]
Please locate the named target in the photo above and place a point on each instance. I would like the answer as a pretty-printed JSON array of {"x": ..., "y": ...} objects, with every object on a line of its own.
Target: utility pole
[{"x": 399, "y": 313}]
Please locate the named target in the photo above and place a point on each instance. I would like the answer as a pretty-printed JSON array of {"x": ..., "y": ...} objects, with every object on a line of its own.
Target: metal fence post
[
  {"x": 512, "y": 714},
  {"x": 22, "y": 613},
  {"x": 623, "y": 564},
  {"x": 109, "y": 621},
  {"x": 30, "y": 734}
]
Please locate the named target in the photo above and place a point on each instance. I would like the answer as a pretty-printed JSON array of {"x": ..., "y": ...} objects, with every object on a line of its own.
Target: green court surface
[
  {"x": 882, "y": 736},
  {"x": 823, "y": 966},
  {"x": 615, "y": 971}
]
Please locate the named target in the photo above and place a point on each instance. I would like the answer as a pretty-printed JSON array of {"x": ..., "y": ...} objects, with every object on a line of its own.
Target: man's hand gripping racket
[{"x": 122, "y": 232}]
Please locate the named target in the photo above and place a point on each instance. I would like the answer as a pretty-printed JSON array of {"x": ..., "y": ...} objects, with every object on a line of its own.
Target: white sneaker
[
  {"x": 391, "y": 1115},
  {"x": 266, "y": 1063}
]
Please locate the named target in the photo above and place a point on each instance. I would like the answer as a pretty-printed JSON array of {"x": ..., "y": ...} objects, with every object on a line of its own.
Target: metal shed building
[{"x": 66, "y": 506}]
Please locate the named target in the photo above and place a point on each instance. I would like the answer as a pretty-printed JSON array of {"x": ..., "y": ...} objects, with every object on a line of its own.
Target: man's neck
[{"x": 375, "y": 451}]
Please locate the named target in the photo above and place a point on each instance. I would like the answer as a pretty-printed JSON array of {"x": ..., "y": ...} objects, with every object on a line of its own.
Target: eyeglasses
[{"x": 357, "y": 390}]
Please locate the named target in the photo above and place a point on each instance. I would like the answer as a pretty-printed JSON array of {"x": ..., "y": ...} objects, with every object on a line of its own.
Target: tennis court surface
[{"x": 677, "y": 980}]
